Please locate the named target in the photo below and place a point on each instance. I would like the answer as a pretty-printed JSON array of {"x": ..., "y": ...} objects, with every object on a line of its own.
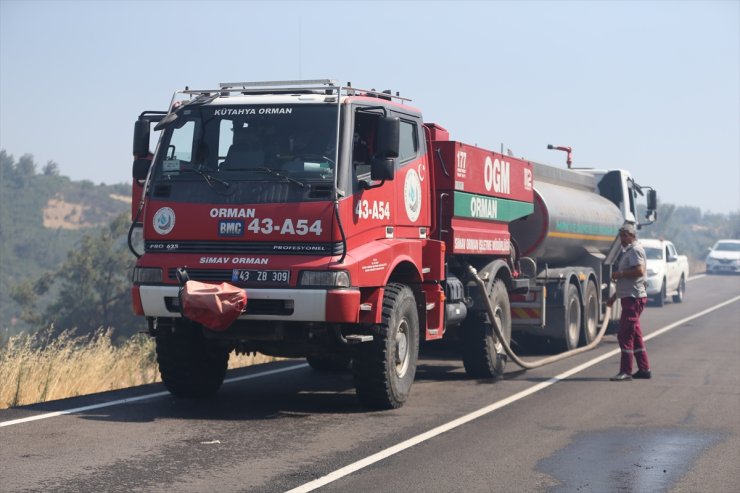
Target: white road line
[
  {"x": 139, "y": 398},
  {"x": 383, "y": 454}
]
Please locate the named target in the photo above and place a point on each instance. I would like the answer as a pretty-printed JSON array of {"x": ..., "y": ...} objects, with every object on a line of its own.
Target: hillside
[{"x": 43, "y": 216}]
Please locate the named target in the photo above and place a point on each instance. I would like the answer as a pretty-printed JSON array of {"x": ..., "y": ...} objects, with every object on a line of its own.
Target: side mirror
[
  {"x": 382, "y": 169},
  {"x": 672, "y": 258},
  {"x": 652, "y": 200},
  {"x": 387, "y": 146},
  {"x": 387, "y": 142},
  {"x": 141, "y": 169},
  {"x": 141, "y": 138}
]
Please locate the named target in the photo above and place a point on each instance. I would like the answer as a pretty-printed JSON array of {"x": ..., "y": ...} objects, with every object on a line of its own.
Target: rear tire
[
  {"x": 384, "y": 368},
  {"x": 680, "y": 292},
  {"x": 483, "y": 353},
  {"x": 591, "y": 314},
  {"x": 190, "y": 365},
  {"x": 570, "y": 325}
]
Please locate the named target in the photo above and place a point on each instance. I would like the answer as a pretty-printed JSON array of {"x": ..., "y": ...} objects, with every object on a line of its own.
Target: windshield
[
  {"x": 654, "y": 253},
  {"x": 267, "y": 142},
  {"x": 727, "y": 246}
]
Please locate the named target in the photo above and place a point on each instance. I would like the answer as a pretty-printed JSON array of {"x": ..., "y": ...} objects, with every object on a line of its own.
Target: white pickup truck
[{"x": 667, "y": 271}]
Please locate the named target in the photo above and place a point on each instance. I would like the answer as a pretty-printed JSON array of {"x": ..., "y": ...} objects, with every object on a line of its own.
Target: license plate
[{"x": 260, "y": 276}]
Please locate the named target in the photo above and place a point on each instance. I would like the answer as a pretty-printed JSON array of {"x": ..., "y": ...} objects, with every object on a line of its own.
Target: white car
[
  {"x": 667, "y": 271},
  {"x": 724, "y": 256}
]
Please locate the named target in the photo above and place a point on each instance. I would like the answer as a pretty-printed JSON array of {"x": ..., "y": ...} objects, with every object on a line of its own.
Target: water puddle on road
[{"x": 626, "y": 459}]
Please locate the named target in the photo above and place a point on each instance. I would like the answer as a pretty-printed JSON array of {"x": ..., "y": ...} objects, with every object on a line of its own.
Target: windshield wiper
[
  {"x": 210, "y": 179},
  {"x": 271, "y": 171}
]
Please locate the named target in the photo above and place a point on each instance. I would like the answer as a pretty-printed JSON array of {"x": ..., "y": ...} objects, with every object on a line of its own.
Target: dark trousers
[{"x": 630, "y": 335}]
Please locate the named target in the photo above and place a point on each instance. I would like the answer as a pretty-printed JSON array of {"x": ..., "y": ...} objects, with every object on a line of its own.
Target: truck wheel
[
  {"x": 571, "y": 319},
  {"x": 680, "y": 292},
  {"x": 329, "y": 362},
  {"x": 190, "y": 364},
  {"x": 483, "y": 353},
  {"x": 384, "y": 368},
  {"x": 591, "y": 314},
  {"x": 660, "y": 299}
]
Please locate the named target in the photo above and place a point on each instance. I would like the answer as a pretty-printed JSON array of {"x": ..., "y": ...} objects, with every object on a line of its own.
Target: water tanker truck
[{"x": 306, "y": 219}]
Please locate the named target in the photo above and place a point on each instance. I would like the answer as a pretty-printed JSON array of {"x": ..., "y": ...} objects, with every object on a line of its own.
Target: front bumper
[
  {"x": 719, "y": 267},
  {"x": 654, "y": 285},
  {"x": 298, "y": 305}
]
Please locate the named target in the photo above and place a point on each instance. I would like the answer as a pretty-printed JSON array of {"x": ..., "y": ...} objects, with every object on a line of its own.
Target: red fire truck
[{"x": 352, "y": 226}]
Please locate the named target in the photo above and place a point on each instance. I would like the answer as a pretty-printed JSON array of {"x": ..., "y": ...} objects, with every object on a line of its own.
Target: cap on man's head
[{"x": 628, "y": 227}]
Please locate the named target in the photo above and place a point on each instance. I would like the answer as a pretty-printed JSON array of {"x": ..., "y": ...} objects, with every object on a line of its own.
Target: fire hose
[{"x": 530, "y": 365}]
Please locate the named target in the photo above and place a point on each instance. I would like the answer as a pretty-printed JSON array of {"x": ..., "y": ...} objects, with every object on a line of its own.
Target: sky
[{"x": 650, "y": 86}]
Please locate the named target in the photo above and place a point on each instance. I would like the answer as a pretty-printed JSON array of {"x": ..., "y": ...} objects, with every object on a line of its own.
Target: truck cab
[
  {"x": 272, "y": 191},
  {"x": 314, "y": 199},
  {"x": 623, "y": 191}
]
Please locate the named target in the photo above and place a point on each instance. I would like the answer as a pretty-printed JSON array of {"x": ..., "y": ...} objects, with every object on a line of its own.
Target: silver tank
[{"x": 570, "y": 218}]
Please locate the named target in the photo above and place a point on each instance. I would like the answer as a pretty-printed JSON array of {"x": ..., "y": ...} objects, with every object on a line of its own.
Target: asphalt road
[{"x": 278, "y": 427}]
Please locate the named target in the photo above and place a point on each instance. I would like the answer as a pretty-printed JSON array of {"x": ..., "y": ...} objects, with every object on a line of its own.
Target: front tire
[
  {"x": 680, "y": 292},
  {"x": 483, "y": 353},
  {"x": 660, "y": 299},
  {"x": 191, "y": 366},
  {"x": 384, "y": 368}
]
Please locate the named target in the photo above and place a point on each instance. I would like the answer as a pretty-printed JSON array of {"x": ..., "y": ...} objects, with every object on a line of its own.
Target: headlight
[
  {"x": 652, "y": 272},
  {"x": 332, "y": 279},
  {"x": 147, "y": 275}
]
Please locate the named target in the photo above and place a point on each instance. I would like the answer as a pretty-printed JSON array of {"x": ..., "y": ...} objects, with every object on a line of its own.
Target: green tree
[
  {"x": 93, "y": 287},
  {"x": 51, "y": 169},
  {"x": 25, "y": 169}
]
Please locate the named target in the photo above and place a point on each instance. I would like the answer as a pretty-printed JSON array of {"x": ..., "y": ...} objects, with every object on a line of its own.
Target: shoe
[
  {"x": 642, "y": 374},
  {"x": 621, "y": 377}
]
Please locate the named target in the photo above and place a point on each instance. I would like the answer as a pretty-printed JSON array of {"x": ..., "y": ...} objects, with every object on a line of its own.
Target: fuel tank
[{"x": 569, "y": 220}]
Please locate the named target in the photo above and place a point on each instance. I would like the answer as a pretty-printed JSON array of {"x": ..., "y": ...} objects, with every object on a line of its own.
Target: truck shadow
[{"x": 296, "y": 392}]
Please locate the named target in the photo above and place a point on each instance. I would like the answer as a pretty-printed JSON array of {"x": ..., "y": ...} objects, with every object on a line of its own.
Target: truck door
[
  {"x": 412, "y": 182},
  {"x": 373, "y": 211},
  {"x": 397, "y": 208},
  {"x": 617, "y": 187}
]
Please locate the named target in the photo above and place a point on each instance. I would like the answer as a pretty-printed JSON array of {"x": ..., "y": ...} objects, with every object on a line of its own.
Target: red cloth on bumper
[{"x": 214, "y": 306}]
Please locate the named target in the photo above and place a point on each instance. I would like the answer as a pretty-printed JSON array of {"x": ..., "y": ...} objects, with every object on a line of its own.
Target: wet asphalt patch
[{"x": 626, "y": 459}]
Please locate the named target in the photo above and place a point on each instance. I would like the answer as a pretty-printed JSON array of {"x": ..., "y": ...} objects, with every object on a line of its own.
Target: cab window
[{"x": 409, "y": 142}]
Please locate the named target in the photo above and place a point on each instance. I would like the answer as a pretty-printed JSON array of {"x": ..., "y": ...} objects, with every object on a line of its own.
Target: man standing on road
[{"x": 631, "y": 279}]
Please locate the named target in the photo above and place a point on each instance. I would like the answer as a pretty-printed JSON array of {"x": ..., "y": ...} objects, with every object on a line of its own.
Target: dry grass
[{"x": 38, "y": 368}]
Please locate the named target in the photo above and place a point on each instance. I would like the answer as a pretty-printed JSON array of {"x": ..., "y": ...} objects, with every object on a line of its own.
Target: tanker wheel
[
  {"x": 190, "y": 365},
  {"x": 483, "y": 353},
  {"x": 329, "y": 362},
  {"x": 384, "y": 368},
  {"x": 680, "y": 292},
  {"x": 591, "y": 314},
  {"x": 571, "y": 319}
]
